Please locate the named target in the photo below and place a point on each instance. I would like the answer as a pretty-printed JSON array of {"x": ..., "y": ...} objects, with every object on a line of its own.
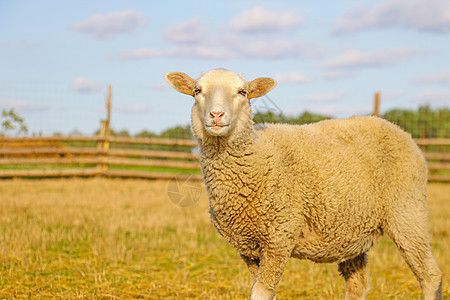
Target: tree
[
  {"x": 305, "y": 118},
  {"x": 146, "y": 134},
  {"x": 178, "y": 132},
  {"x": 12, "y": 122},
  {"x": 123, "y": 133},
  {"x": 423, "y": 123}
]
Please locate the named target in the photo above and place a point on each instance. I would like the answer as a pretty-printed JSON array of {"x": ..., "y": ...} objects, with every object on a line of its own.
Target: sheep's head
[{"x": 221, "y": 99}]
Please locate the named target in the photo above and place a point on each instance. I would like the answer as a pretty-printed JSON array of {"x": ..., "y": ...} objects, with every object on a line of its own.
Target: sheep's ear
[
  {"x": 181, "y": 82},
  {"x": 260, "y": 86}
]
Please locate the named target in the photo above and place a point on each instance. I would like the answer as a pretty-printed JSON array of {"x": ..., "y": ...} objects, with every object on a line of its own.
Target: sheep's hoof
[{"x": 260, "y": 292}]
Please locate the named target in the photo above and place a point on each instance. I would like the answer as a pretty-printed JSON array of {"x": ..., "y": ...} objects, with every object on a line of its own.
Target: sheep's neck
[
  {"x": 223, "y": 148},
  {"x": 230, "y": 167},
  {"x": 233, "y": 178}
]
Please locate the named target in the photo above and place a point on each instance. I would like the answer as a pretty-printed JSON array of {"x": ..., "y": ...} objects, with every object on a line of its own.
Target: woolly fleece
[{"x": 324, "y": 192}]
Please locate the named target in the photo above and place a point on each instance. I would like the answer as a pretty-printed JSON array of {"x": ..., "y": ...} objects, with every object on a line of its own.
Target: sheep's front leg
[
  {"x": 356, "y": 274},
  {"x": 252, "y": 265},
  {"x": 271, "y": 268}
]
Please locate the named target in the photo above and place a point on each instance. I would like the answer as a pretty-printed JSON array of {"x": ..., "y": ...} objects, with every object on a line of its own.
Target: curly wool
[
  {"x": 328, "y": 187},
  {"x": 324, "y": 192}
]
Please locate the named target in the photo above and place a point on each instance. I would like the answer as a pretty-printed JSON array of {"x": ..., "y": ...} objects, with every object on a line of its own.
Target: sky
[{"x": 329, "y": 57}]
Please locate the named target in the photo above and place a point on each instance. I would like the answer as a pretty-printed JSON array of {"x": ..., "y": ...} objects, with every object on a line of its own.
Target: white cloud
[
  {"x": 192, "y": 39},
  {"x": 435, "y": 78},
  {"x": 324, "y": 97},
  {"x": 182, "y": 51},
  {"x": 23, "y": 105},
  {"x": 291, "y": 78},
  {"x": 191, "y": 31},
  {"x": 354, "y": 59},
  {"x": 109, "y": 25},
  {"x": 432, "y": 97},
  {"x": 84, "y": 85},
  {"x": 276, "y": 48},
  {"x": 231, "y": 47},
  {"x": 133, "y": 108},
  {"x": 259, "y": 19},
  {"x": 430, "y": 15}
]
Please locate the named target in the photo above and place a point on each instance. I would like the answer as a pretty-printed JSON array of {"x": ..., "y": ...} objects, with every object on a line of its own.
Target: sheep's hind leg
[
  {"x": 411, "y": 238},
  {"x": 355, "y": 271}
]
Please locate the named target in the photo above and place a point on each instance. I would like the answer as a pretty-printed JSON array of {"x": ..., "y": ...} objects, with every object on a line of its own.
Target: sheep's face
[{"x": 221, "y": 99}]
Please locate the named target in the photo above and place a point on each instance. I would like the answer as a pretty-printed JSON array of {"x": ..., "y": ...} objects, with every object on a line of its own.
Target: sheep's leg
[
  {"x": 271, "y": 268},
  {"x": 252, "y": 265},
  {"x": 411, "y": 237},
  {"x": 420, "y": 260},
  {"x": 356, "y": 274}
]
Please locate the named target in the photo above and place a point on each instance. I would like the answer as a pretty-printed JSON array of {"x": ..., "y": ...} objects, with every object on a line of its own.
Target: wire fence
[
  {"x": 430, "y": 127},
  {"x": 424, "y": 122},
  {"x": 49, "y": 106}
]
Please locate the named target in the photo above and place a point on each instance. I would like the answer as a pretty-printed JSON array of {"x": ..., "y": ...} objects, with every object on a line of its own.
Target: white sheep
[{"x": 325, "y": 192}]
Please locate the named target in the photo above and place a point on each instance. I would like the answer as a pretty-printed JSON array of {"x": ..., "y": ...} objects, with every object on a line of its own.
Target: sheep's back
[
  {"x": 367, "y": 146},
  {"x": 342, "y": 172}
]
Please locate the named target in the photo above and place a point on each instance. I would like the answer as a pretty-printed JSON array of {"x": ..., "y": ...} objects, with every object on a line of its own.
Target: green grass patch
[
  {"x": 43, "y": 167},
  {"x": 157, "y": 169},
  {"x": 130, "y": 168}
]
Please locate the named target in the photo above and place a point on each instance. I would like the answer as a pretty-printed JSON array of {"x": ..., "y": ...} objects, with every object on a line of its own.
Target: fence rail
[
  {"x": 59, "y": 156},
  {"x": 94, "y": 151},
  {"x": 99, "y": 138}
]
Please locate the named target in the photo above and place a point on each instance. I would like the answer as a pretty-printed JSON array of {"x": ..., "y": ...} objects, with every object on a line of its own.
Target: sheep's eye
[
  {"x": 197, "y": 91},
  {"x": 242, "y": 92}
]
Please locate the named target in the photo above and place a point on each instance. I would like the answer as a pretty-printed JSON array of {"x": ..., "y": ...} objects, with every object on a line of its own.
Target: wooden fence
[
  {"x": 98, "y": 156},
  {"x": 437, "y": 153},
  {"x": 137, "y": 157}
]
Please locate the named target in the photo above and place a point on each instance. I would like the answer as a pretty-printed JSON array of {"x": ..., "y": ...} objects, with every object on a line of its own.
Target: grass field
[{"x": 121, "y": 239}]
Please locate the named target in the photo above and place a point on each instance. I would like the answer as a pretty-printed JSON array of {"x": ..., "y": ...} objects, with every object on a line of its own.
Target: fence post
[
  {"x": 105, "y": 132},
  {"x": 108, "y": 120},
  {"x": 376, "y": 109},
  {"x": 101, "y": 146},
  {"x": 108, "y": 111}
]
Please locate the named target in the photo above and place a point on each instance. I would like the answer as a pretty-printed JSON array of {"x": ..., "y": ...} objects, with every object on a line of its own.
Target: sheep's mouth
[
  {"x": 217, "y": 126},
  {"x": 217, "y": 130}
]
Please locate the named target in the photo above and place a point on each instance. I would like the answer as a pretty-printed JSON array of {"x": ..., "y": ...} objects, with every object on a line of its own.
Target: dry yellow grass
[{"x": 121, "y": 239}]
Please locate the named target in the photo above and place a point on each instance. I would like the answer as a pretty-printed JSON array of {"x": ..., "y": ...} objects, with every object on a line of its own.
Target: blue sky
[{"x": 330, "y": 57}]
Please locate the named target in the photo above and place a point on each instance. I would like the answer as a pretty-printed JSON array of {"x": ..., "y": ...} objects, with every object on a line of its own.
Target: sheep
[{"x": 324, "y": 192}]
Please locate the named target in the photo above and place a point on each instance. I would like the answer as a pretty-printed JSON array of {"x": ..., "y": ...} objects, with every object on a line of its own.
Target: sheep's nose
[{"x": 216, "y": 115}]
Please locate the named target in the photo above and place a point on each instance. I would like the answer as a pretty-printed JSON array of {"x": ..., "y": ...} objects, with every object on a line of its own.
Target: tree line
[{"x": 424, "y": 122}]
